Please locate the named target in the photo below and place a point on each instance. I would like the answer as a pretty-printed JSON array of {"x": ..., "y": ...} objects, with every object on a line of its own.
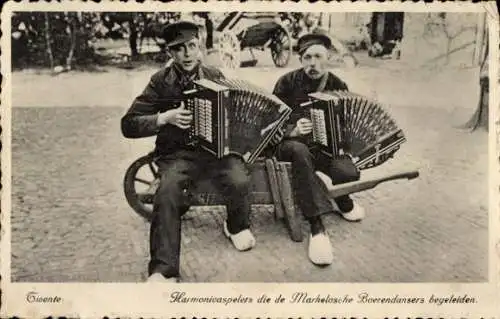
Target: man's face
[
  {"x": 315, "y": 60},
  {"x": 186, "y": 54}
]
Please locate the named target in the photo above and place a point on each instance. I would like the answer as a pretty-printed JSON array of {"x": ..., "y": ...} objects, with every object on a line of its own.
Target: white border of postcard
[{"x": 142, "y": 300}]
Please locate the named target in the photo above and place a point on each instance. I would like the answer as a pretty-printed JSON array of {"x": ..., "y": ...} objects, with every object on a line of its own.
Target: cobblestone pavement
[{"x": 70, "y": 220}]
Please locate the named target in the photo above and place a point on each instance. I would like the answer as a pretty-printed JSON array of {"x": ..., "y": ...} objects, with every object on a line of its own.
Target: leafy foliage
[{"x": 49, "y": 39}]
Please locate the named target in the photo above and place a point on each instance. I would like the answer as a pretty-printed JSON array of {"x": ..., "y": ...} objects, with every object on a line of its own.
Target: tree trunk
[
  {"x": 480, "y": 33},
  {"x": 133, "y": 39},
  {"x": 480, "y": 117},
  {"x": 209, "y": 25},
  {"x": 47, "y": 41},
  {"x": 72, "y": 28}
]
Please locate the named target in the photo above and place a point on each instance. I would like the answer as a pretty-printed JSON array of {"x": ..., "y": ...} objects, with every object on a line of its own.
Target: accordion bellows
[
  {"x": 345, "y": 122},
  {"x": 234, "y": 117}
]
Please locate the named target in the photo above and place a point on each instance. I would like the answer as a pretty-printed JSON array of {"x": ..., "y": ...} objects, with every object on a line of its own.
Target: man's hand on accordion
[
  {"x": 180, "y": 117},
  {"x": 304, "y": 126}
]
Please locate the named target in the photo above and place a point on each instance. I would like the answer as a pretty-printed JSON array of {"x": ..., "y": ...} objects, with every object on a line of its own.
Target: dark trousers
[
  {"x": 179, "y": 172},
  {"x": 311, "y": 193}
]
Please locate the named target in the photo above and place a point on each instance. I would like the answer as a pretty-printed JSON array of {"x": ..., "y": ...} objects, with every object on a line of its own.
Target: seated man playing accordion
[
  {"x": 313, "y": 171},
  {"x": 159, "y": 111}
]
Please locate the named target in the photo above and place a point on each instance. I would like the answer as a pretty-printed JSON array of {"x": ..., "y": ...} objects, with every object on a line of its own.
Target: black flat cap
[
  {"x": 318, "y": 36},
  {"x": 179, "y": 32}
]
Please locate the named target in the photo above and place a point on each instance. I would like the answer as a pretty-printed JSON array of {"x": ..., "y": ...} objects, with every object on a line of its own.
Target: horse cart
[{"x": 239, "y": 31}]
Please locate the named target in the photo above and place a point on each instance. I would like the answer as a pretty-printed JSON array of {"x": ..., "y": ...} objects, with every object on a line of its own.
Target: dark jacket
[
  {"x": 163, "y": 92},
  {"x": 293, "y": 88}
]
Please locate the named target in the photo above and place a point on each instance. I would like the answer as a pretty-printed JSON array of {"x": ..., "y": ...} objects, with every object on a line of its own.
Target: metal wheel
[
  {"x": 140, "y": 183},
  {"x": 281, "y": 47},
  {"x": 229, "y": 50}
]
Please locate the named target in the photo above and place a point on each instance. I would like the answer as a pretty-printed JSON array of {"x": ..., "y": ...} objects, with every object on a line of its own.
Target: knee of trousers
[
  {"x": 299, "y": 151},
  {"x": 238, "y": 182},
  {"x": 171, "y": 186}
]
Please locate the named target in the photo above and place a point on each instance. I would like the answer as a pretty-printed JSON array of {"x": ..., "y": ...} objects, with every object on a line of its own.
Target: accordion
[
  {"x": 233, "y": 117},
  {"x": 347, "y": 123}
]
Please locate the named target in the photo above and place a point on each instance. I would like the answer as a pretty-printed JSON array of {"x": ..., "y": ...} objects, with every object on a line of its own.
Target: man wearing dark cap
[
  {"x": 159, "y": 111},
  {"x": 312, "y": 171}
]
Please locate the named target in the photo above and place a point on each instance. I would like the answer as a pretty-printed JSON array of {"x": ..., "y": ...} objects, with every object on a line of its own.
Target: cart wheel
[
  {"x": 229, "y": 50},
  {"x": 281, "y": 47},
  {"x": 140, "y": 184}
]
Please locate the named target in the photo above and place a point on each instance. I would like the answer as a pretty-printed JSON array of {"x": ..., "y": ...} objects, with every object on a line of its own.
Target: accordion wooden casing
[
  {"x": 348, "y": 123},
  {"x": 233, "y": 117}
]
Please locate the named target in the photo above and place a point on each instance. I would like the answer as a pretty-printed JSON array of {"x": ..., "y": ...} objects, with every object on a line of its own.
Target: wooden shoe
[
  {"x": 159, "y": 278},
  {"x": 242, "y": 241},
  {"x": 320, "y": 249},
  {"x": 357, "y": 213}
]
